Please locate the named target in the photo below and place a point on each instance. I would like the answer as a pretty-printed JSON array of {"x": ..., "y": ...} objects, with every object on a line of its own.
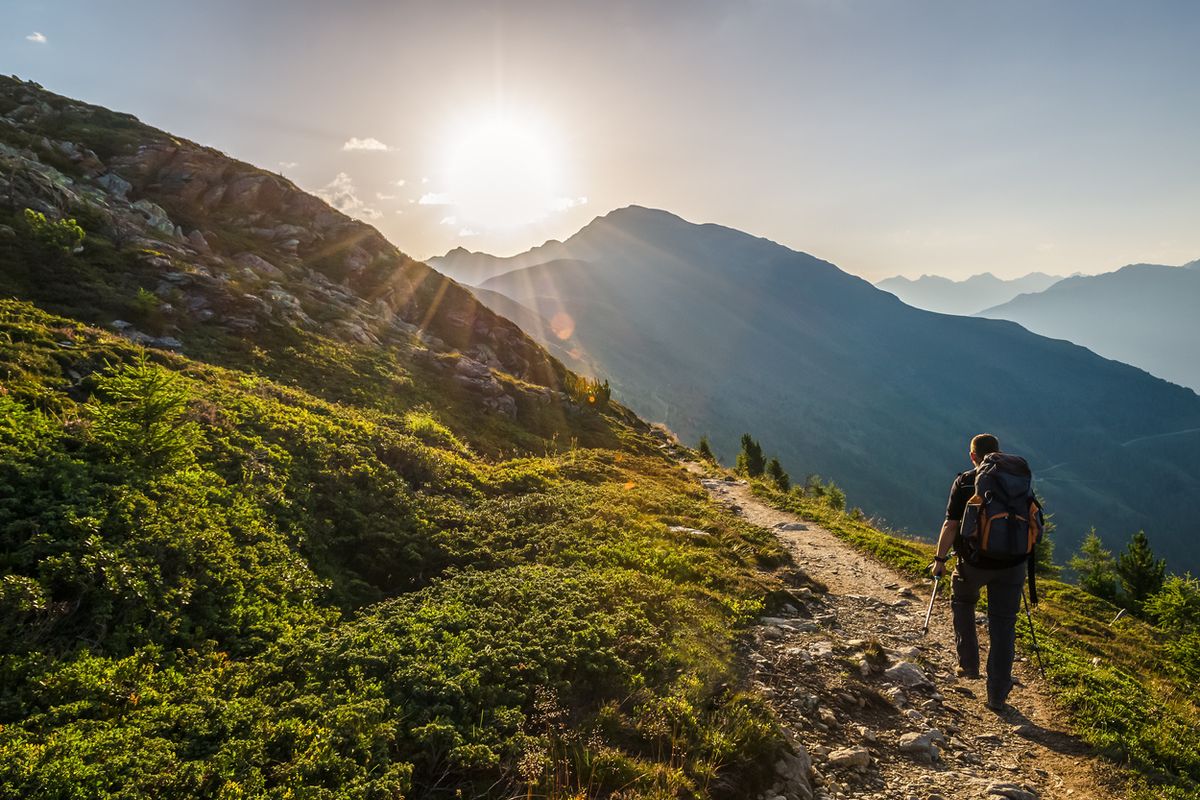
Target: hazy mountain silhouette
[
  {"x": 1142, "y": 314},
  {"x": 475, "y": 268},
  {"x": 935, "y": 293},
  {"x": 716, "y": 331}
]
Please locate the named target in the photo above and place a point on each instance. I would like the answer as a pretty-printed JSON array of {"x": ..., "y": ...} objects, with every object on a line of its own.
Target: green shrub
[{"x": 56, "y": 236}]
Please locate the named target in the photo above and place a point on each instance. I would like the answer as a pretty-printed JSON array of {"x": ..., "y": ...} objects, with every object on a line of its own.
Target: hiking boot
[
  {"x": 999, "y": 707},
  {"x": 963, "y": 672}
]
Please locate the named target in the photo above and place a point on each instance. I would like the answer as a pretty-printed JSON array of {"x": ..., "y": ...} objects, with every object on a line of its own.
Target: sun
[{"x": 503, "y": 171}]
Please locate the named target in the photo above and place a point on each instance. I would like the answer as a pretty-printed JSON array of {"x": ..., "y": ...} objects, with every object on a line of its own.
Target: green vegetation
[
  {"x": 750, "y": 458},
  {"x": 1132, "y": 688},
  {"x": 777, "y": 476},
  {"x": 1095, "y": 568},
  {"x": 1139, "y": 572},
  {"x": 704, "y": 450},
  {"x": 218, "y": 584},
  {"x": 588, "y": 392},
  {"x": 54, "y": 236}
]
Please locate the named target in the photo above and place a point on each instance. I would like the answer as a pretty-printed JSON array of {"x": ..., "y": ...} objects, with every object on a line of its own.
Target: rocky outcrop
[{"x": 233, "y": 248}]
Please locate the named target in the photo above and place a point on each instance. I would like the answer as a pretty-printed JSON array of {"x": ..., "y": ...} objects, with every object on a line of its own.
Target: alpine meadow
[{"x": 622, "y": 401}]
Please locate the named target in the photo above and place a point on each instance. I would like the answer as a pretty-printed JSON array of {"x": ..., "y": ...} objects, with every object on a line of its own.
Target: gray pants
[{"x": 1004, "y": 603}]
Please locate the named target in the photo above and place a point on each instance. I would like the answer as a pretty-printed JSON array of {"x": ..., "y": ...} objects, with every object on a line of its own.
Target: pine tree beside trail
[
  {"x": 750, "y": 460},
  {"x": 705, "y": 450},
  {"x": 775, "y": 472},
  {"x": 1096, "y": 568},
  {"x": 1043, "y": 552},
  {"x": 1139, "y": 572}
]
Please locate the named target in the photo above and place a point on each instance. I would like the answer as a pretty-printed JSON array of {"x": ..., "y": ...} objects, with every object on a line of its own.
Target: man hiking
[{"x": 1003, "y": 522}]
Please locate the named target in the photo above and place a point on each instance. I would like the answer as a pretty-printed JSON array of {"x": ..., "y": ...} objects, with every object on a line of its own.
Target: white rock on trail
[
  {"x": 850, "y": 757},
  {"x": 1012, "y": 791},
  {"x": 907, "y": 674},
  {"x": 922, "y": 745}
]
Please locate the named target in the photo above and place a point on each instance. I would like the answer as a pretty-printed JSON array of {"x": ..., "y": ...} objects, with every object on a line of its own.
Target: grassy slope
[
  {"x": 1117, "y": 682},
  {"x": 315, "y": 597}
]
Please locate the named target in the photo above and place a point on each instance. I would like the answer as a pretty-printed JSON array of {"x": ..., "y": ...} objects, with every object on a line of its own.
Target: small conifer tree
[
  {"x": 1140, "y": 573},
  {"x": 750, "y": 460},
  {"x": 780, "y": 478},
  {"x": 705, "y": 450},
  {"x": 1043, "y": 552},
  {"x": 1096, "y": 568},
  {"x": 139, "y": 417}
]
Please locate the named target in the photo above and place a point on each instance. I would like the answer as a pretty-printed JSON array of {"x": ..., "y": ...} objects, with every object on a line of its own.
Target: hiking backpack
[{"x": 1003, "y": 520}]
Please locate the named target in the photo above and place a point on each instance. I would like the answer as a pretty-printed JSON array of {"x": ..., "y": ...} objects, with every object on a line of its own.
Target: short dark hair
[{"x": 985, "y": 443}]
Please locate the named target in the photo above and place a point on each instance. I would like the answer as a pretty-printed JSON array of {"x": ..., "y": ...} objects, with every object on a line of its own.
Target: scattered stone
[
  {"x": 695, "y": 533},
  {"x": 115, "y": 185},
  {"x": 906, "y": 674},
  {"x": 922, "y": 746},
  {"x": 258, "y": 265},
  {"x": 196, "y": 239},
  {"x": 155, "y": 216},
  {"x": 792, "y": 770},
  {"x": 850, "y": 757},
  {"x": 1012, "y": 791}
]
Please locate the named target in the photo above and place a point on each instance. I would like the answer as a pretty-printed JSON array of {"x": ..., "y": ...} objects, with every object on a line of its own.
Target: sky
[{"x": 890, "y": 137}]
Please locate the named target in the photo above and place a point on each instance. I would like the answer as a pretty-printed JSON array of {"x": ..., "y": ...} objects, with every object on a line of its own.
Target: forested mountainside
[
  {"x": 286, "y": 513},
  {"x": 718, "y": 332},
  {"x": 1142, "y": 314}
]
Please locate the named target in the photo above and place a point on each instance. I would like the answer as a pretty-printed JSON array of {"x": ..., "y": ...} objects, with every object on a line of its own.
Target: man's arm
[{"x": 945, "y": 542}]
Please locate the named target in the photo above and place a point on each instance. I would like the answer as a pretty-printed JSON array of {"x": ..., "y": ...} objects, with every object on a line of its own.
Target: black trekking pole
[
  {"x": 929, "y": 611},
  {"x": 1037, "y": 651}
]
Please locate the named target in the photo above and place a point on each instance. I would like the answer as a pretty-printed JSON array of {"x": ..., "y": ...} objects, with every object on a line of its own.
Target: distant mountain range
[
  {"x": 965, "y": 297},
  {"x": 473, "y": 269},
  {"x": 1142, "y": 314},
  {"x": 715, "y": 331}
]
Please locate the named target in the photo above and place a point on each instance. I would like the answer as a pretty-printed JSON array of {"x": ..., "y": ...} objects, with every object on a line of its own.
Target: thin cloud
[
  {"x": 434, "y": 199},
  {"x": 288, "y": 164},
  {"x": 37, "y": 38},
  {"x": 563, "y": 203},
  {"x": 465, "y": 232},
  {"x": 341, "y": 194},
  {"x": 400, "y": 182},
  {"x": 449, "y": 221},
  {"x": 370, "y": 143},
  {"x": 384, "y": 196}
]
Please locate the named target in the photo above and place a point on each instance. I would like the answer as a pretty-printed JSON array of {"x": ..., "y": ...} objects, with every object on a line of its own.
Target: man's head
[{"x": 983, "y": 444}]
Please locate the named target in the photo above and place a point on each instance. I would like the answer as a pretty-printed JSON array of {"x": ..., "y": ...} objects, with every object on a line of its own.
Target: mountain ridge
[
  {"x": 1139, "y": 314},
  {"x": 718, "y": 331},
  {"x": 938, "y": 293}
]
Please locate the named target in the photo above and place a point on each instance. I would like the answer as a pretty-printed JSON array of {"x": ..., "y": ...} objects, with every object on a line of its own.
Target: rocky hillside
[
  {"x": 284, "y": 513},
  {"x": 211, "y": 256}
]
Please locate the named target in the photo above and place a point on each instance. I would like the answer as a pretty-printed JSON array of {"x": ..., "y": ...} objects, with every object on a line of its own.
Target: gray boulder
[{"x": 115, "y": 185}]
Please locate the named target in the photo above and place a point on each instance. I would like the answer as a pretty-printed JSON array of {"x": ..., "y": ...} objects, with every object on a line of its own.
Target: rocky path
[{"x": 874, "y": 708}]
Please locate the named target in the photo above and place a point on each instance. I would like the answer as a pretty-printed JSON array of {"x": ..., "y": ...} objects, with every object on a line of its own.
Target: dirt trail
[{"x": 914, "y": 730}]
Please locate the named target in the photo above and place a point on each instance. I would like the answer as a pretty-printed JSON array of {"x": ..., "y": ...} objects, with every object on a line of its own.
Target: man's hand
[{"x": 945, "y": 542}]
